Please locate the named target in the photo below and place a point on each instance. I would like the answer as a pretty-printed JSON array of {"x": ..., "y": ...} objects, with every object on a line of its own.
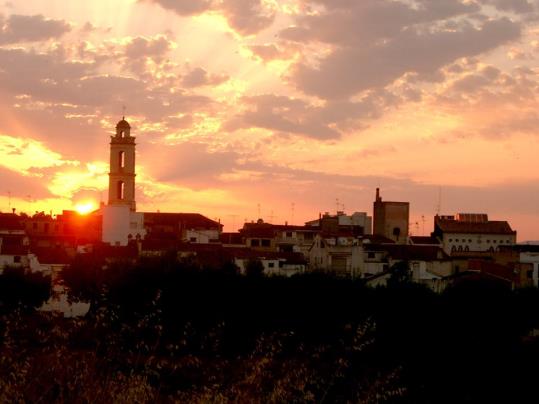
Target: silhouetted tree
[
  {"x": 400, "y": 274},
  {"x": 23, "y": 287},
  {"x": 254, "y": 268}
]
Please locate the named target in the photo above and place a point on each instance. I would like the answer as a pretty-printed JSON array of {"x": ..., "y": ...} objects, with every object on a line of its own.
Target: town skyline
[{"x": 247, "y": 120}]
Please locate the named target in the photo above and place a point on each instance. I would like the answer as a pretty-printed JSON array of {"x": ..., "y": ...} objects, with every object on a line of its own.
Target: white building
[
  {"x": 469, "y": 232},
  {"x": 342, "y": 255},
  {"x": 358, "y": 222}
]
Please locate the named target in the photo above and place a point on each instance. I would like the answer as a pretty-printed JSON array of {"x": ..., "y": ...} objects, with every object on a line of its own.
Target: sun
[{"x": 83, "y": 208}]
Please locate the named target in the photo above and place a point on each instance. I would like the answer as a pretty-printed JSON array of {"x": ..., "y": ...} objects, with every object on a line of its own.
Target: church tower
[{"x": 122, "y": 167}]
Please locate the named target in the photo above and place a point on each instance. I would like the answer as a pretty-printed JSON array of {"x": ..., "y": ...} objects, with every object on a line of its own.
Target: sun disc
[{"x": 83, "y": 208}]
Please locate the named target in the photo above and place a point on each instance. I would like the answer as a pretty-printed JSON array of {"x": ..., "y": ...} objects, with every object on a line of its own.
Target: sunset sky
[{"x": 277, "y": 106}]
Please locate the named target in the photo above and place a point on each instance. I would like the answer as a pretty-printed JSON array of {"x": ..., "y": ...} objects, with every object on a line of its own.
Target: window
[
  {"x": 17, "y": 259},
  {"x": 466, "y": 248},
  {"x": 450, "y": 240},
  {"x": 371, "y": 255},
  {"x": 121, "y": 190},
  {"x": 289, "y": 234},
  {"x": 271, "y": 265},
  {"x": 255, "y": 242},
  {"x": 469, "y": 240},
  {"x": 34, "y": 225},
  {"x": 308, "y": 236},
  {"x": 121, "y": 159},
  {"x": 265, "y": 243},
  {"x": 488, "y": 241},
  {"x": 193, "y": 239}
]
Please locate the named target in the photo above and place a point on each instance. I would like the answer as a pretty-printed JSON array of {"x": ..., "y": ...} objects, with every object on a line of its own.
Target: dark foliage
[
  {"x": 183, "y": 333},
  {"x": 23, "y": 288}
]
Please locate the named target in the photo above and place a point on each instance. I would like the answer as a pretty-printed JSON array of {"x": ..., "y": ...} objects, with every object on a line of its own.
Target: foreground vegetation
[{"x": 170, "y": 332}]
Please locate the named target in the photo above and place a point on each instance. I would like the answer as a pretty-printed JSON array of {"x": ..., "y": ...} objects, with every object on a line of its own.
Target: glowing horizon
[{"x": 275, "y": 108}]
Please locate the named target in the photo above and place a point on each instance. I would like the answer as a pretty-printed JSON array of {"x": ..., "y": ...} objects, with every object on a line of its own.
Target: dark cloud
[
  {"x": 516, "y": 6},
  {"x": 283, "y": 114},
  {"x": 350, "y": 70},
  {"x": 30, "y": 28},
  {"x": 185, "y": 7},
  {"x": 270, "y": 52},
  {"x": 141, "y": 47},
  {"x": 329, "y": 121},
  {"x": 246, "y": 17},
  {"x": 199, "y": 77}
]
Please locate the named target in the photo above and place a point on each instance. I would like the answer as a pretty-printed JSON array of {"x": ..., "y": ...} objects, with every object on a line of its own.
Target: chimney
[{"x": 378, "y": 199}]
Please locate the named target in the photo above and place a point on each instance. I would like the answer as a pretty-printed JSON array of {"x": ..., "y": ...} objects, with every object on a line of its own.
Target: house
[
  {"x": 273, "y": 263},
  {"x": 340, "y": 254},
  {"x": 529, "y": 254},
  {"x": 186, "y": 227},
  {"x": 428, "y": 264},
  {"x": 14, "y": 243},
  {"x": 358, "y": 223},
  {"x": 263, "y": 236}
]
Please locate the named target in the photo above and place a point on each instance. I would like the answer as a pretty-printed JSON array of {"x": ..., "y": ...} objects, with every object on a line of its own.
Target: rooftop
[{"x": 475, "y": 227}]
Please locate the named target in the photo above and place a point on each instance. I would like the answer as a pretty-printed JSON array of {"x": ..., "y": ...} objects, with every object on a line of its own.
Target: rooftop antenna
[
  {"x": 439, "y": 205},
  {"x": 123, "y": 111},
  {"x": 293, "y": 211},
  {"x": 423, "y": 222},
  {"x": 271, "y": 217},
  {"x": 338, "y": 204}
]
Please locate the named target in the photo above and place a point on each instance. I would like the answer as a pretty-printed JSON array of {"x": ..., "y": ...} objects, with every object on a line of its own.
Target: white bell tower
[
  {"x": 122, "y": 167},
  {"x": 121, "y": 222}
]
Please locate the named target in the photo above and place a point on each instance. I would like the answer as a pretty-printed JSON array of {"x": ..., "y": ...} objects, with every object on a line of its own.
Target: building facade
[{"x": 391, "y": 219}]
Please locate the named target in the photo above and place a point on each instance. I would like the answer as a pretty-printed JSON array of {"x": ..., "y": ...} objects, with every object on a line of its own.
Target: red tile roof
[
  {"x": 493, "y": 269},
  {"x": 183, "y": 220},
  {"x": 490, "y": 227},
  {"x": 424, "y": 240}
]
